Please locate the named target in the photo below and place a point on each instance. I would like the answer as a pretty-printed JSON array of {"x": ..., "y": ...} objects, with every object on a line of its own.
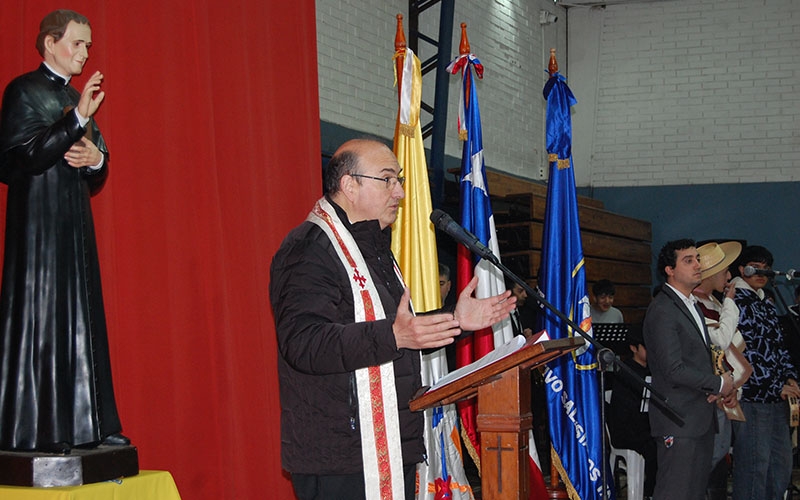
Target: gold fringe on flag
[
  {"x": 573, "y": 494},
  {"x": 471, "y": 449}
]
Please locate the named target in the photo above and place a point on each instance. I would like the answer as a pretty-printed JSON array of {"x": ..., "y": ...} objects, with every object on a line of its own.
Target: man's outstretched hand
[
  {"x": 474, "y": 314},
  {"x": 431, "y": 331}
]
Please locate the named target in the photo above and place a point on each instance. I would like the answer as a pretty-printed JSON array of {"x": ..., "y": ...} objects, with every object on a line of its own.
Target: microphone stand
[
  {"x": 613, "y": 359},
  {"x": 605, "y": 360}
]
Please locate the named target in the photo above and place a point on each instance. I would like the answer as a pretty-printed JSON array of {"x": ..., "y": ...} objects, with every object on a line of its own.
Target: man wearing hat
[{"x": 722, "y": 318}]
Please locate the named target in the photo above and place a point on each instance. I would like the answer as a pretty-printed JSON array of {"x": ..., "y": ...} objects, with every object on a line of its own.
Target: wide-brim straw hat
[{"x": 715, "y": 257}]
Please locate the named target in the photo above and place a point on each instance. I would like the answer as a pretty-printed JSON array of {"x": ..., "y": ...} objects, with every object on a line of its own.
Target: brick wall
[
  {"x": 356, "y": 43},
  {"x": 696, "y": 93}
]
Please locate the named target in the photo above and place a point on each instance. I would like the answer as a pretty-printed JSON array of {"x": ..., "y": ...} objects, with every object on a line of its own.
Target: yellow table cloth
[{"x": 147, "y": 485}]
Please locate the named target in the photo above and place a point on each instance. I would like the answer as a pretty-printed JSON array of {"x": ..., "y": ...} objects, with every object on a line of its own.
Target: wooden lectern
[{"x": 504, "y": 413}]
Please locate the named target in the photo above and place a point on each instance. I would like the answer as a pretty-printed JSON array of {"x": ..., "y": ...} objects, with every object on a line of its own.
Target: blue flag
[{"x": 572, "y": 380}]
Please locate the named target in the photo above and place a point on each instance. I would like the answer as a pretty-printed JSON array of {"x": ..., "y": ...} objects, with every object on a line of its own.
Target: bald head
[
  {"x": 345, "y": 161},
  {"x": 362, "y": 179}
]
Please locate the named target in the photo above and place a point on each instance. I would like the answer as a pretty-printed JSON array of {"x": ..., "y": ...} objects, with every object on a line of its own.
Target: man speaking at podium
[{"x": 348, "y": 340}]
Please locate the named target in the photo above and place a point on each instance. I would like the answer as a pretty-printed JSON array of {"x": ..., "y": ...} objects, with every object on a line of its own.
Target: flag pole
[
  {"x": 463, "y": 49},
  {"x": 463, "y": 45},
  {"x": 400, "y": 51}
]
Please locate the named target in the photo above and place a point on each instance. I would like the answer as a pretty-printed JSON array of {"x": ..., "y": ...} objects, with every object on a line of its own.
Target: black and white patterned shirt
[{"x": 766, "y": 349}]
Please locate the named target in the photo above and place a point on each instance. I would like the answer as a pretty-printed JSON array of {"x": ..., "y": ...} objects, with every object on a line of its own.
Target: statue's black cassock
[{"x": 55, "y": 374}]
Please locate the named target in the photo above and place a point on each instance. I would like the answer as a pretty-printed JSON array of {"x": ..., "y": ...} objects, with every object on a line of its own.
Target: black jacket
[
  {"x": 320, "y": 347},
  {"x": 55, "y": 374},
  {"x": 681, "y": 367}
]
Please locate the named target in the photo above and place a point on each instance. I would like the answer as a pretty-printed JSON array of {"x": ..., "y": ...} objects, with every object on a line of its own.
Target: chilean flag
[{"x": 477, "y": 218}]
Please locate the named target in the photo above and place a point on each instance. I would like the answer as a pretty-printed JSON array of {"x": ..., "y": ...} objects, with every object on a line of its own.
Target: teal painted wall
[{"x": 765, "y": 214}]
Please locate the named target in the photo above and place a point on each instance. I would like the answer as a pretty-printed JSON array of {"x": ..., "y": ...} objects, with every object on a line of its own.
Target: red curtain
[{"x": 212, "y": 121}]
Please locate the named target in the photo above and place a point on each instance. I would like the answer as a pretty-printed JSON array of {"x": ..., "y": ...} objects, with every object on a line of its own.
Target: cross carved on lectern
[{"x": 499, "y": 449}]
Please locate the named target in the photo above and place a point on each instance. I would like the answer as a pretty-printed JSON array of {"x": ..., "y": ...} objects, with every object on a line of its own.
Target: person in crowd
[
  {"x": 762, "y": 448},
  {"x": 715, "y": 297},
  {"x": 679, "y": 357},
  {"x": 524, "y": 316},
  {"x": 56, "y": 391},
  {"x": 349, "y": 343},
  {"x": 445, "y": 283},
  {"x": 603, "y": 310},
  {"x": 628, "y": 419}
]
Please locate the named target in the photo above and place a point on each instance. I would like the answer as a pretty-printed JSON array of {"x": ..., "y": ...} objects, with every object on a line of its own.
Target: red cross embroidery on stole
[{"x": 358, "y": 278}]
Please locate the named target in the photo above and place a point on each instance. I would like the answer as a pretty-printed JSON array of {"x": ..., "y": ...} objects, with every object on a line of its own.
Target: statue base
[{"x": 79, "y": 467}]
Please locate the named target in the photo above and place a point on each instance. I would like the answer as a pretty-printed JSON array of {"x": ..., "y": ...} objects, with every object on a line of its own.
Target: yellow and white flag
[{"x": 414, "y": 247}]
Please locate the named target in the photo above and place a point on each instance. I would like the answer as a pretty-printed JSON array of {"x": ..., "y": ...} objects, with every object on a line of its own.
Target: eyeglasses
[{"x": 391, "y": 182}]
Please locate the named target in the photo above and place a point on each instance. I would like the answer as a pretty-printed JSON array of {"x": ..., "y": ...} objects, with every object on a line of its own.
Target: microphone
[
  {"x": 752, "y": 271},
  {"x": 445, "y": 223}
]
